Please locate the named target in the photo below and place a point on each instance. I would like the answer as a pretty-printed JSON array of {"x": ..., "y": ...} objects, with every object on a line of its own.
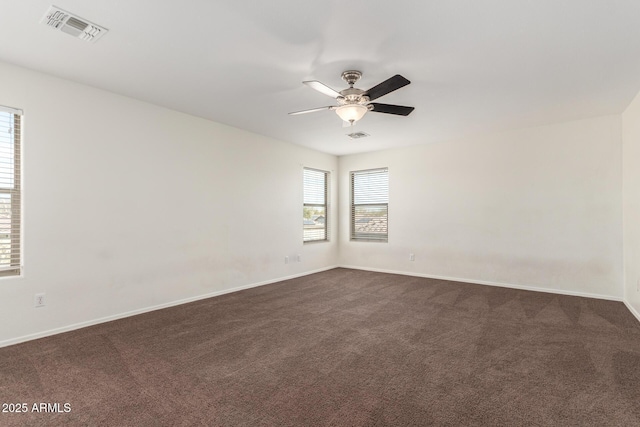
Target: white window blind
[
  {"x": 10, "y": 229},
  {"x": 370, "y": 205},
  {"x": 315, "y": 221}
]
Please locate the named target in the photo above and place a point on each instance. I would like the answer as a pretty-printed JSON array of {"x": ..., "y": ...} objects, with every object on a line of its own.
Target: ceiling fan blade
[
  {"x": 387, "y": 86},
  {"x": 322, "y": 88},
  {"x": 399, "y": 110},
  {"x": 313, "y": 110}
]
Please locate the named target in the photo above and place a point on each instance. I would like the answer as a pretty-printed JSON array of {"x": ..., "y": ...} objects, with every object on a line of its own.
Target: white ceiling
[{"x": 475, "y": 66}]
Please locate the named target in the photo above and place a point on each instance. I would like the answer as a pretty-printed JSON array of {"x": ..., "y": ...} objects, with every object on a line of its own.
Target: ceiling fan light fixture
[
  {"x": 353, "y": 103},
  {"x": 352, "y": 112}
]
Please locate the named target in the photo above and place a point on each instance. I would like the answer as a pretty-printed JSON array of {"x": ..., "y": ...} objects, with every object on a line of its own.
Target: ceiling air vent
[
  {"x": 357, "y": 135},
  {"x": 68, "y": 23}
]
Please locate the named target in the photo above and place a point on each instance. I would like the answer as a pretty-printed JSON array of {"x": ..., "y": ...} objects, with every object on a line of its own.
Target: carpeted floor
[{"x": 340, "y": 348}]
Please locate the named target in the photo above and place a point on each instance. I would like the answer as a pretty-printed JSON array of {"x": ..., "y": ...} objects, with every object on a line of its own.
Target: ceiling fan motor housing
[{"x": 352, "y": 95}]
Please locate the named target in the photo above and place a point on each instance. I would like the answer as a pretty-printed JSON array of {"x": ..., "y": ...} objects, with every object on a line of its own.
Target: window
[
  {"x": 370, "y": 205},
  {"x": 315, "y": 215},
  {"x": 10, "y": 127}
]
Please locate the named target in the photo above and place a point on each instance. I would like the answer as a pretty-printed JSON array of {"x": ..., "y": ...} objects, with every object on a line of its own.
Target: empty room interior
[{"x": 327, "y": 213}]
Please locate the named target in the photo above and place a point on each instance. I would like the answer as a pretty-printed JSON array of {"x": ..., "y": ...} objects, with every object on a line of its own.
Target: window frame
[
  {"x": 356, "y": 236},
  {"x": 325, "y": 206},
  {"x": 15, "y": 196}
]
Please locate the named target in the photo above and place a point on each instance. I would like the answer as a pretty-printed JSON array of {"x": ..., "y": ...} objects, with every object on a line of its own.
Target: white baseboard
[
  {"x": 487, "y": 283},
  {"x": 632, "y": 310},
  {"x": 92, "y": 322}
]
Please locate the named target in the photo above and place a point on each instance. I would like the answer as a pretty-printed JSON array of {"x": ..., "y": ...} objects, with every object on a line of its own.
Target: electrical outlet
[
  {"x": 298, "y": 258},
  {"x": 412, "y": 257},
  {"x": 38, "y": 300},
  {"x": 286, "y": 260}
]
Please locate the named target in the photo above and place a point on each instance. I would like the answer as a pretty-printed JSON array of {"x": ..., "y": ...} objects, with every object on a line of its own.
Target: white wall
[
  {"x": 128, "y": 206},
  {"x": 631, "y": 209},
  {"x": 534, "y": 208}
]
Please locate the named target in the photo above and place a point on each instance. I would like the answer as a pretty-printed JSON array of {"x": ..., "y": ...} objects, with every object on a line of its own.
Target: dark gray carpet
[{"x": 341, "y": 348}]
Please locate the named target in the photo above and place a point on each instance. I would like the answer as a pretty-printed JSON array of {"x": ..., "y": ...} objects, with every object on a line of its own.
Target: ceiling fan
[{"x": 353, "y": 103}]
